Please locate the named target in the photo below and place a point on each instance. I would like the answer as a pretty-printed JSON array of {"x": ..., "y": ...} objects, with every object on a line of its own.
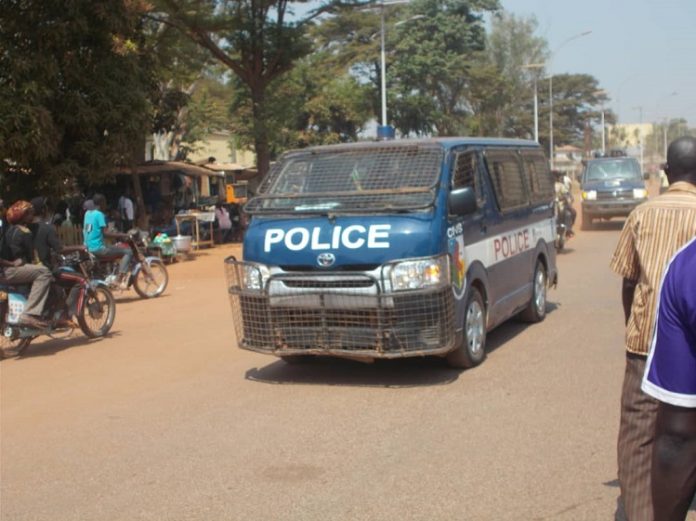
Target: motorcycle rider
[
  {"x": 18, "y": 263},
  {"x": 46, "y": 241},
  {"x": 95, "y": 231},
  {"x": 563, "y": 192}
]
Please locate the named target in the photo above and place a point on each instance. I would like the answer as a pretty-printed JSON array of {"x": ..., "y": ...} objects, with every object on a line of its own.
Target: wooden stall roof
[{"x": 170, "y": 167}]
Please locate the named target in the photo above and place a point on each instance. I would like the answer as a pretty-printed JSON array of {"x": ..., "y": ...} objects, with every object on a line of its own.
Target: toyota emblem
[{"x": 326, "y": 259}]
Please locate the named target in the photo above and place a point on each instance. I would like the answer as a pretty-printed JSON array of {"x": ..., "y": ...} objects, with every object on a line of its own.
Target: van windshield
[
  {"x": 613, "y": 169},
  {"x": 353, "y": 179}
]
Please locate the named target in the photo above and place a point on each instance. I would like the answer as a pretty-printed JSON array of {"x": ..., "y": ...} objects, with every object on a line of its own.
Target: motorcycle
[
  {"x": 73, "y": 295},
  {"x": 564, "y": 219},
  {"x": 147, "y": 274}
]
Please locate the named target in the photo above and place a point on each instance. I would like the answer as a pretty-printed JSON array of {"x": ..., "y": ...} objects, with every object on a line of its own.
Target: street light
[
  {"x": 664, "y": 130},
  {"x": 602, "y": 92},
  {"x": 537, "y": 66},
  {"x": 550, "y": 61},
  {"x": 382, "y": 132},
  {"x": 639, "y": 108}
]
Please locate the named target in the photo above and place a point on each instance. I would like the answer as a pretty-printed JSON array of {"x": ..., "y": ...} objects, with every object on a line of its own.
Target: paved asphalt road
[{"x": 168, "y": 420}]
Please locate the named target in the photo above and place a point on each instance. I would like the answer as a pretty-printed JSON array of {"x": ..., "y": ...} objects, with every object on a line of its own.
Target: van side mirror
[{"x": 462, "y": 201}]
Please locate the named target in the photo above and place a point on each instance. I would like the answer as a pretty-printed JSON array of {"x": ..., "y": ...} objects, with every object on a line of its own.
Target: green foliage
[
  {"x": 576, "y": 99},
  {"x": 432, "y": 63},
  {"x": 512, "y": 46},
  {"x": 255, "y": 40},
  {"x": 311, "y": 105},
  {"x": 73, "y": 92}
]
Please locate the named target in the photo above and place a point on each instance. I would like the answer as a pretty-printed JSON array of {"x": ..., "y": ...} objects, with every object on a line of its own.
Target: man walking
[
  {"x": 671, "y": 379},
  {"x": 653, "y": 233}
]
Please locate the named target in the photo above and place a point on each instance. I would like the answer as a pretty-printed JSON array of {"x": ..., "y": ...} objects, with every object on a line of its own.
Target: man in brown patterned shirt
[{"x": 653, "y": 233}]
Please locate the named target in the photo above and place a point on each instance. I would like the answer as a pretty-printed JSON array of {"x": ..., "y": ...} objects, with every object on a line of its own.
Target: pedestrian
[
  {"x": 670, "y": 378},
  {"x": 19, "y": 265},
  {"x": 222, "y": 216},
  {"x": 652, "y": 234},
  {"x": 126, "y": 210}
]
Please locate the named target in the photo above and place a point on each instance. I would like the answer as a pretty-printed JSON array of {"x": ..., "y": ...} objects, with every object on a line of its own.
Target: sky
[{"x": 642, "y": 52}]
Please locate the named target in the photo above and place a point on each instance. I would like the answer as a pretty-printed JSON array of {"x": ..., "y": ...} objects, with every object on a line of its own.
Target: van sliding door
[{"x": 510, "y": 240}]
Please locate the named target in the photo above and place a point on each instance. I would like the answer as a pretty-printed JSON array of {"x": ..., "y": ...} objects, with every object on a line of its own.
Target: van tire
[
  {"x": 536, "y": 309},
  {"x": 586, "y": 222},
  {"x": 471, "y": 348}
]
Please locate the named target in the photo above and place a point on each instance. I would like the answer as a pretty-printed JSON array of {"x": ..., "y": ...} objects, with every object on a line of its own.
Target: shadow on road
[
  {"x": 135, "y": 298},
  {"x": 510, "y": 329},
  {"x": 399, "y": 373},
  {"x": 608, "y": 226},
  {"x": 45, "y": 346},
  {"x": 409, "y": 372}
]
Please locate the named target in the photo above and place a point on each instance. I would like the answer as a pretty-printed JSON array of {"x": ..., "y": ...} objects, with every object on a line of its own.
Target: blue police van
[{"x": 395, "y": 249}]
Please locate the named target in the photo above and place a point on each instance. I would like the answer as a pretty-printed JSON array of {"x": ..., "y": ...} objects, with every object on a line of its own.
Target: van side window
[
  {"x": 506, "y": 174},
  {"x": 540, "y": 180},
  {"x": 466, "y": 174}
]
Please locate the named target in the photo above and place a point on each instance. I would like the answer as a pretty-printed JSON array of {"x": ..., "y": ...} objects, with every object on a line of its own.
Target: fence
[{"x": 70, "y": 235}]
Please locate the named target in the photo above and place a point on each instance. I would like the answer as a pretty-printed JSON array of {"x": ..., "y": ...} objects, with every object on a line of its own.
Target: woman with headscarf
[{"x": 18, "y": 263}]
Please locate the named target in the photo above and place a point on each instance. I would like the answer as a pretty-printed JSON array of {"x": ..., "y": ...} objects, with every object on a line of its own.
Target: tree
[
  {"x": 313, "y": 104},
  {"x": 575, "y": 101},
  {"x": 512, "y": 46},
  {"x": 182, "y": 68},
  {"x": 74, "y": 91},
  {"x": 255, "y": 39},
  {"x": 433, "y": 60}
]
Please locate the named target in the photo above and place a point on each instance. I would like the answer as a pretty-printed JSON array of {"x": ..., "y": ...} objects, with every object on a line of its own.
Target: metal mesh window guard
[
  {"x": 349, "y": 314},
  {"x": 506, "y": 175},
  {"x": 351, "y": 178},
  {"x": 540, "y": 179}
]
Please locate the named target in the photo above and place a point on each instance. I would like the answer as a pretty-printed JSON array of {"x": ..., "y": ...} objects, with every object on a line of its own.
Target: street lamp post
[
  {"x": 639, "y": 108},
  {"x": 563, "y": 43},
  {"x": 536, "y": 98},
  {"x": 602, "y": 92},
  {"x": 383, "y": 60},
  {"x": 384, "y": 130}
]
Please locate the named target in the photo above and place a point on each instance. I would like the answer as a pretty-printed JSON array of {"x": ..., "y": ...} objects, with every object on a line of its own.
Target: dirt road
[{"x": 168, "y": 420}]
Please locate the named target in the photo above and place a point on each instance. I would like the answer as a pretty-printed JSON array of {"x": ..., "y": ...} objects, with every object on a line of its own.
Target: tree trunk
[
  {"x": 142, "y": 218},
  {"x": 261, "y": 145}
]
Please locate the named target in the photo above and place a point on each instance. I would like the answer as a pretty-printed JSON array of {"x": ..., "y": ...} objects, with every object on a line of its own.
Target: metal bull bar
[{"x": 339, "y": 313}]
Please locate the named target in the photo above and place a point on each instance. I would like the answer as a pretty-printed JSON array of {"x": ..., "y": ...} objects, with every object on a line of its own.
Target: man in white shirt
[{"x": 126, "y": 211}]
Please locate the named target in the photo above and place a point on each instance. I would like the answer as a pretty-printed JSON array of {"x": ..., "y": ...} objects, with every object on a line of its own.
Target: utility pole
[{"x": 639, "y": 108}]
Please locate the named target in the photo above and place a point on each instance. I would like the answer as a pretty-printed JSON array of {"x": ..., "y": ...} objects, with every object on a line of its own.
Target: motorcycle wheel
[
  {"x": 98, "y": 313},
  {"x": 152, "y": 279},
  {"x": 560, "y": 241}
]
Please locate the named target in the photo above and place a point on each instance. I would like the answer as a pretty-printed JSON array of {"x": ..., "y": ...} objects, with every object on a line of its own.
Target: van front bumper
[
  {"x": 339, "y": 314},
  {"x": 610, "y": 207}
]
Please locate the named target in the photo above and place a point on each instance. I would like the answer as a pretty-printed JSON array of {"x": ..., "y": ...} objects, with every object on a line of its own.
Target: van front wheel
[{"x": 471, "y": 350}]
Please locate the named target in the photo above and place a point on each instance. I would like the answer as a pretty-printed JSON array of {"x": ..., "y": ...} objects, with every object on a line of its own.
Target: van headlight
[
  {"x": 640, "y": 193},
  {"x": 254, "y": 277},
  {"x": 589, "y": 195},
  {"x": 421, "y": 273}
]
